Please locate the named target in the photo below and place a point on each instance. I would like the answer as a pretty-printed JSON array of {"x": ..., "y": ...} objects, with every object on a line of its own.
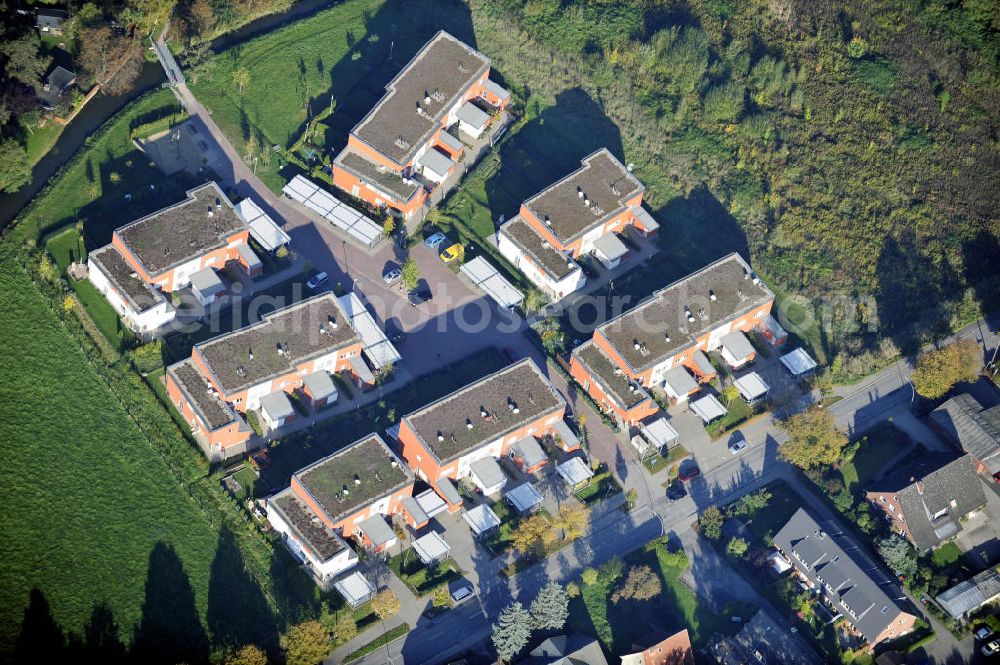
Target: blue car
[{"x": 434, "y": 240}]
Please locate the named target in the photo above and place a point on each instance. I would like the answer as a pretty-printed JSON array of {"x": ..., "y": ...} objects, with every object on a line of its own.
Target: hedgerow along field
[{"x": 85, "y": 498}]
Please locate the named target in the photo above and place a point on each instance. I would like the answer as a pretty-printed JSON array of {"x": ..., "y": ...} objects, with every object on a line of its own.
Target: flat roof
[
  {"x": 473, "y": 116},
  {"x": 319, "y": 384},
  {"x": 605, "y": 183},
  {"x": 214, "y": 412},
  {"x": 206, "y": 280},
  {"x": 615, "y": 383},
  {"x": 491, "y": 282},
  {"x": 680, "y": 380},
  {"x": 387, "y": 180},
  {"x": 488, "y": 472},
  {"x": 166, "y": 238},
  {"x": 312, "y": 532},
  {"x": 277, "y": 405},
  {"x": 611, "y": 246},
  {"x": 432, "y": 81},
  {"x": 354, "y": 588},
  {"x": 304, "y": 331},
  {"x": 436, "y": 161},
  {"x": 555, "y": 264},
  {"x": 368, "y": 460},
  {"x": 529, "y": 450},
  {"x": 520, "y": 387},
  {"x": 736, "y": 288},
  {"x": 737, "y": 344},
  {"x": 377, "y": 531},
  {"x": 139, "y": 294}
]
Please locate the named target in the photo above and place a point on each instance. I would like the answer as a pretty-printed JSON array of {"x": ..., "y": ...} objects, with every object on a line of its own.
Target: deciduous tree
[
  {"x": 247, "y": 655},
  {"x": 641, "y": 584},
  {"x": 25, "y": 61},
  {"x": 573, "y": 519},
  {"x": 710, "y": 523},
  {"x": 385, "y": 604},
  {"x": 938, "y": 371},
  {"x": 15, "y": 171},
  {"x": 813, "y": 440},
  {"x": 512, "y": 631},
  {"x": 112, "y": 59},
  {"x": 345, "y": 628},
  {"x": 737, "y": 547},
  {"x": 532, "y": 535},
  {"x": 306, "y": 643},
  {"x": 550, "y": 608},
  {"x": 241, "y": 79},
  {"x": 589, "y": 576}
]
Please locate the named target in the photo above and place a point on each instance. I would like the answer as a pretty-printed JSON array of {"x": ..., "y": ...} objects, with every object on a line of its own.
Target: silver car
[{"x": 392, "y": 276}]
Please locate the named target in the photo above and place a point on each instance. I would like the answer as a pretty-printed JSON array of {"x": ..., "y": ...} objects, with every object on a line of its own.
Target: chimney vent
[
  {"x": 711, "y": 295},
  {"x": 468, "y": 423}
]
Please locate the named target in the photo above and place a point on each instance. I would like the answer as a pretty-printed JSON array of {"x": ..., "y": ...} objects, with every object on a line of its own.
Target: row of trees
[
  {"x": 512, "y": 631},
  {"x": 535, "y": 534}
]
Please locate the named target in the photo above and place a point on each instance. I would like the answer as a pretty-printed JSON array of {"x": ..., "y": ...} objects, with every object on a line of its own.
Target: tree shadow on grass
[
  {"x": 41, "y": 639},
  {"x": 981, "y": 257},
  {"x": 170, "y": 630},
  {"x": 230, "y": 587}
]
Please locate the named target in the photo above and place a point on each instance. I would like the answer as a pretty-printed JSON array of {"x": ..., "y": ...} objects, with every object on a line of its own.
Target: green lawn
[
  {"x": 92, "y": 513},
  {"x": 737, "y": 413},
  {"x": 390, "y": 635},
  {"x": 601, "y": 486},
  {"x": 659, "y": 461},
  {"x": 39, "y": 140},
  {"x": 677, "y": 607},
  {"x": 423, "y": 579},
  {"x": 877, "y": 448}
]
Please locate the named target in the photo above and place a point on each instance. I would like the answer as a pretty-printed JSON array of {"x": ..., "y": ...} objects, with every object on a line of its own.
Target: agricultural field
[{"x": 93, "y": 514}]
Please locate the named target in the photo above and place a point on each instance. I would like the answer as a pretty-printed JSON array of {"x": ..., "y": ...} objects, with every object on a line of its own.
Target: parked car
[
  {"x": 316, "y": 280},
  {"x": 434, "y": 240},
  {"x": 737, "y": 443},
  {"x": 676, "y": 491},
  {"x": 419, "y": 296},
  {"x": 462, "y": 592},
  {"x": 451, "y": 253},
  {"x": 983, "y": 632},
  {"x": 391, "y": 275},
  {"x": 992, "y": 648},
  {"x": 689, "y": 473}
]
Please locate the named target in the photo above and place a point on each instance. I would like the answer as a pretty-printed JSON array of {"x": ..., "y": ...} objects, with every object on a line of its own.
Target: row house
[
  {"x": 971, "y": 428},
  {"x": 662, "y": 342},
  {"x": 581, "y": 214},
  {"x": 354, "y": 493},
  {"x": 173, "y": 248},
  {"x": 411, "y": 141},
  {"x": 502, "y": 415},
  {"x": 825, "y": 561},
  {"x": 245, "y": 368},
  {"x": 928, "y": 499}
]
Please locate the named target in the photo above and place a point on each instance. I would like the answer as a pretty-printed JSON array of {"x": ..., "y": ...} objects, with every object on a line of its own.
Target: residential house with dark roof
[
  {"x": 408, "y": 144},
  {"x": 166, "y": 249},
  {"x": 442, "y": 440},
  {"x": 571, "y": 649},
  {"x": 273, "y": 355},
  {"x": 972, "y": 428},
  {"x": 582, "y": 213},
  {"x": 674, "y": 327},
  {"x": 826, "y": 562},
  {"x": 56, "y": 88},
  {"x": 50, "y": 21},
  {"x": 926, "y": 500},
  {"x": 356, "y": 492}
]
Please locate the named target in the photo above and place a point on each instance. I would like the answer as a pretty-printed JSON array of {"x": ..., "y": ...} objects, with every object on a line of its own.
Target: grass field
[
  {"x": 92, "y": 514},
  {"x": 41, "y": 139},
  {"x": 617, "y": 626},
  {"x": 93, "y": 186},
  {"x": 877, "y": 448}
]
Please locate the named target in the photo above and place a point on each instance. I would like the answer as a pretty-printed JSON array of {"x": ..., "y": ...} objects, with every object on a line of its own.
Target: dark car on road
[
  {"x": 676, "y": 491},
  {"x": 689, "y": 473},
  {"x": 419, "y": 296}
]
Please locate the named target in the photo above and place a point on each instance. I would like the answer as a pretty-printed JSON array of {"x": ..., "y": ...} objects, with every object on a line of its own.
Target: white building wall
[
  {"x": 183, "y": 272},
  {"x": 256, "y": 392},
  {"x": 568, "y": 284},
  {"x": 589, "y": 238},
  {"x": 489, "y": 450},
  {"x": 151, "y": 320},
  {"x": 325, "y": 571},
  {"x": 327, "y": 362}
]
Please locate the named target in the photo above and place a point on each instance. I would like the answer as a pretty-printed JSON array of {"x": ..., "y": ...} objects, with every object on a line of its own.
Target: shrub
[
  {"x": 611, "y": 570},
  {"x": 737, "y": 547},
  {"x": 641, "y": 584},
  {"x": 573, "y": 590},
  {"x": 710, "y": 523},
  {"x": 589, "y": 576}
]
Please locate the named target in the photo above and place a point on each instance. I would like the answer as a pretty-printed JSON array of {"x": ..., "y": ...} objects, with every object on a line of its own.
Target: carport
[
  {"x": 736, "y": 349},
  {"x": 752, "y": 387},
  {"x": 525, "y": 498},
  {"x": 486, "y": 278},
  {"x": 355, "y": 589},
  {"x": 659, "y": 433},
  {"x": 263, "y": 229},
  {"x": 481, "y": 519},
  {"x": 377, "y": 347},
  {"x": 679, "y": 384},
  {"x": 799, "y": 363},
  {"x": 708, "y": 408},
  {"x": 431, "y": 503},
  {"x": 575, "y": 472},
  {"x": 361, "y": 228},
  {"x": 431, "y": 548}
]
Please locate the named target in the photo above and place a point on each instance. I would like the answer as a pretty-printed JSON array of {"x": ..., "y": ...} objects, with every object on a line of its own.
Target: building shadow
[
  {"x": 170, "y": 630},
  {"x": 229, "y": 587}
]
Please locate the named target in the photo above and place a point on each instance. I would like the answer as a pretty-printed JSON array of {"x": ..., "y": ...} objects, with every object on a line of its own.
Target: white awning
[
  {"x": 751, "y": 386},
  {"x": 798, "y": 362},
  {"x": 431, "y": 548},
  {"x": 263, "y": 229},
  {"x": 355, "y": 588},
  {"x": 659, "y": 432},
  {"x": 575, "y": 471},
  {"x": 481, "y": 519},
  {"x": 377, "y": 347},
  {"x": 358, "y": 226},
  {"x": 486, "y": 278},
  {"x": 708, "y": 408},
  {"x": 524, "y": 497}
]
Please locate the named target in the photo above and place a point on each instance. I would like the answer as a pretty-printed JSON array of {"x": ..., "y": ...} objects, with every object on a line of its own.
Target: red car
[{"x": 689, "y": 474}]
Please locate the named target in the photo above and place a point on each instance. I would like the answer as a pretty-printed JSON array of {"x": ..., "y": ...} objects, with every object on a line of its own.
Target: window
[{"x": 892, "y": 508}]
